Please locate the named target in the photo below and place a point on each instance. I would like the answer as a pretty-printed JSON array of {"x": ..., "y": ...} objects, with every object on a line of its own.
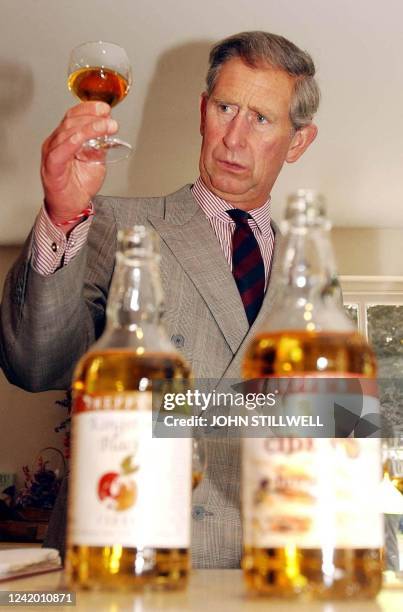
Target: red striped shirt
[
  {"x": 51, "y": 249},
  {"x": 223, "y": 226}
]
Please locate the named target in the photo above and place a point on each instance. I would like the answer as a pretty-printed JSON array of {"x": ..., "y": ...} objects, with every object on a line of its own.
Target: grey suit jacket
[{"x": 48, "y": 322}]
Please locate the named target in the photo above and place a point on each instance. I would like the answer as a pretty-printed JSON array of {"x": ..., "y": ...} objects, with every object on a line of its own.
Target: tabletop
[{"x": 208, "y": 590}]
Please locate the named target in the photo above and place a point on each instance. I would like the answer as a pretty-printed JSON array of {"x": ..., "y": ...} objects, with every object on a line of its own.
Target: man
[{"x": 218, "y": 245}]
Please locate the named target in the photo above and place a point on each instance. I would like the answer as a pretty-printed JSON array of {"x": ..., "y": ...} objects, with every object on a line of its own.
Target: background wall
[{"x": 369, "y": 251}]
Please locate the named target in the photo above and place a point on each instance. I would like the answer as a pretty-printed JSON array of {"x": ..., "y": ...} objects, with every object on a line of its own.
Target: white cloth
[{"x": 19, "y": 560}]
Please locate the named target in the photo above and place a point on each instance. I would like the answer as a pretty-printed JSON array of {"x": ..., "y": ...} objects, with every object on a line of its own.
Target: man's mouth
[{"x": 231, "y": 166}]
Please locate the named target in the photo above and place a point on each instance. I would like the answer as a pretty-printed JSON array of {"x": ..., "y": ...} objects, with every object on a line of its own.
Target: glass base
[{"x": 104, "y": 150}]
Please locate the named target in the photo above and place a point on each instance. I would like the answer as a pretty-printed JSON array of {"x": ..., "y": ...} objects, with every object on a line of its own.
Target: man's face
[{"x": 247, "y": 133}]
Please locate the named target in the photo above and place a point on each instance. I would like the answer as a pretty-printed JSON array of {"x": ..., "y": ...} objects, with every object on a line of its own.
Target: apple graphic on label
[{"x": 118, "y": 489}]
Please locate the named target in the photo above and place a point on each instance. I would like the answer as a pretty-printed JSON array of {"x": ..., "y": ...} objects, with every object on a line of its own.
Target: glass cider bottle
[
  {"x": 321, "y": 534},
  {"x": 130, "y": 493}
]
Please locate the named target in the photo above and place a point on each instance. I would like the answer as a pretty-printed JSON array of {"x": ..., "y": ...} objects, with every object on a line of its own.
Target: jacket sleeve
[{"x": 48, "y": 322}]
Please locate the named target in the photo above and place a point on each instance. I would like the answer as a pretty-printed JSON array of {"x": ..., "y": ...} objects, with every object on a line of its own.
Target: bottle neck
[
  {"x": 135, "y": 297},
  {"x": 135, "y": 302},
  {"x": 309, "y": 295},
  {"x": 308, "y": 261}
]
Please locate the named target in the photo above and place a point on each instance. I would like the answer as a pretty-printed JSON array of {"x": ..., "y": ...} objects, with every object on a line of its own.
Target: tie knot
[{"x": 239, "y": 216}]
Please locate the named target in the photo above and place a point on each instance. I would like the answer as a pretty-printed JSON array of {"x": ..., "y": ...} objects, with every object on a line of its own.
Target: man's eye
[
  {"x": 225, "y": 108},
  {"x": 261, "y": 119}
]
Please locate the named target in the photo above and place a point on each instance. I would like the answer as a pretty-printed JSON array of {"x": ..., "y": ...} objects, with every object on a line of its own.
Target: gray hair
[{"x": 255, "y": 48}]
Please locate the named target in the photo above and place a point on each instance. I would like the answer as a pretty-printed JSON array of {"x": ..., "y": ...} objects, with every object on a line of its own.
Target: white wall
[{"x": 369, "y": 251}]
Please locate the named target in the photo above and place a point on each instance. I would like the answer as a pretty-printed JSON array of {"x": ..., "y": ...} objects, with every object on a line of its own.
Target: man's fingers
[
  {"x": 76, "y": 125},
  {"x": 88, "y": 108},
  {"x": 64, "y": 130},
  {"x": 78, "y": 116},
  {"x": 82, "y": 113},
  {"x": 65, "y": 146}
]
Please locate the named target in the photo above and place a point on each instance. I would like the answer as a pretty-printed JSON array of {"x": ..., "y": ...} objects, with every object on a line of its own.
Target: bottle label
[
  {"x": 311, "y": 493},
  {"x": 127, "y": 488}
]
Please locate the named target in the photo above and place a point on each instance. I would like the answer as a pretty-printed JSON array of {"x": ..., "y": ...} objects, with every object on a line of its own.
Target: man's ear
[
  {"x": 300, "y": 142},
  {"x": 203, "y": 109}
]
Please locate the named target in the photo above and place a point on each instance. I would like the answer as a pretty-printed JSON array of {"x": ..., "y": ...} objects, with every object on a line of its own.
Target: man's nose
[{"x": 237, "y": 132}]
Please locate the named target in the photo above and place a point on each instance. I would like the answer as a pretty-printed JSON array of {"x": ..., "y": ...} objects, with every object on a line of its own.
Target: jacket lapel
[{"x": 188, "y": 234}]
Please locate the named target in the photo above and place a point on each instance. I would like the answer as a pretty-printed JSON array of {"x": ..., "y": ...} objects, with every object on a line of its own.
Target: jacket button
[
  {"x": 178, "y": 340},
  {"x": 19, "y": 292},
  {"x": 198, "y": 513}
]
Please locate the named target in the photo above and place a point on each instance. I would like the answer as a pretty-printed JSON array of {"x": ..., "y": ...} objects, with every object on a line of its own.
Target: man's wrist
[{"x": 66, "y": 224}]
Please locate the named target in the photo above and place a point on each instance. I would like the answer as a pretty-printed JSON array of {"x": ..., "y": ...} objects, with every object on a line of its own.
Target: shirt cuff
[{"x": 51, "y": 249}]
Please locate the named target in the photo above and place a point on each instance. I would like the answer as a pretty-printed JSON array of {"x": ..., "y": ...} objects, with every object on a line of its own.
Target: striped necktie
[{"x": 247, "y": 264}]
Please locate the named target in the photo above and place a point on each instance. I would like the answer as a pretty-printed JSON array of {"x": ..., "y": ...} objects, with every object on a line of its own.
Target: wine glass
[
  {"x": 100, "y": 71},
  {"x": 199, "y": 460}
]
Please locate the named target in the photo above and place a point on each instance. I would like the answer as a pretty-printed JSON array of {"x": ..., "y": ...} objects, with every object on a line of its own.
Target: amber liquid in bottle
[
  {"x": 197, "y": 477},
  {"x": 288, "y": 571},
  {"x": 100, "y": 84},
  {"x": 117, "y": 567},
  {"x": 397, "y": 481}
]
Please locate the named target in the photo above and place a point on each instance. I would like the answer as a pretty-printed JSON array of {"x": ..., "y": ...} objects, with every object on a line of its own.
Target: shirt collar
[{"x": 213, "y": 206}]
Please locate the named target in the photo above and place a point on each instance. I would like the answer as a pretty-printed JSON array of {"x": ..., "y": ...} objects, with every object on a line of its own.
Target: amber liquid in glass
[
  {"x": 116, "y": 567},
  {"x": 100, "y": 84},
  {"x": 292, "y": 571}
]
